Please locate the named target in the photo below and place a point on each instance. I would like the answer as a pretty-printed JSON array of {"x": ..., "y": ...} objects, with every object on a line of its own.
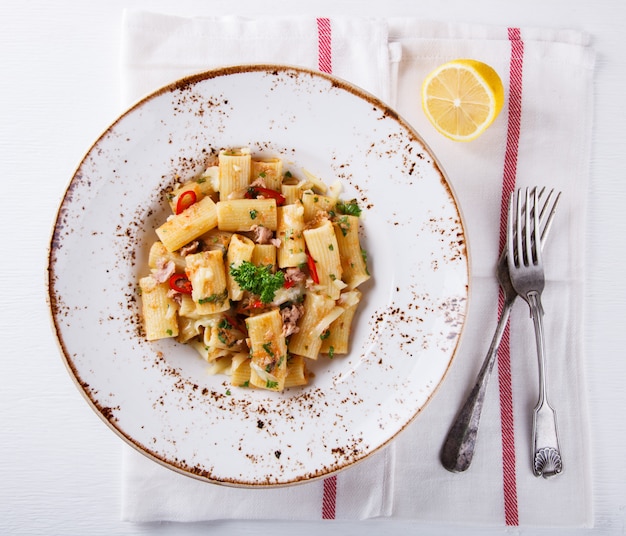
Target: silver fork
[
  {"x": 458, "y": 448},
  {"x": 527, "y": 277}
]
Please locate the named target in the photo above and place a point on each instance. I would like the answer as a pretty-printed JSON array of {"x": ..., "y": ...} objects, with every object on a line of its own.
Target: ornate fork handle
[{"x": 547, "y": 460}]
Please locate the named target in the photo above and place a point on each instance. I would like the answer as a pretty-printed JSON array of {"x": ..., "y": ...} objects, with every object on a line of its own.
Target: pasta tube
[
  {"x": 181, "y": 229},
  {"x": 240, "y": 215},
  {"x": 319, "y": 312},
  {"x": 323, "y": 248},
  {"x": 159, "y": 311},
  {"x": 264, "y": 255},
  {"x": 336, "y": 339},
  {"x": 289, "y": 231},
  {"x": 296, "y": 372},
  {"x": 240, "y": 250},
  {"x": 240, "y": 370},
  {"x": 268, "y": 350},
  {"x": 270, "y": 171},
  {"x": 159, "y": 254},
  {"x": 352, "y": 261},
  {"x": 207, "y": 275},
  {"x": 314, "y": 203},
  {"x": 187, "y": 328},
  {"x": 234, "y": 171},
  {"x": 291, "y": 192}
]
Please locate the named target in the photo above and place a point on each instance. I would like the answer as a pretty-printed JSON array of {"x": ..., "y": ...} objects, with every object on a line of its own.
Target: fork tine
[
  {"x": 548, "y": 222},
  {"x": 511, "y": 231},
  {"x": 520, "y": 225},
  {"x": 544, "y": 202},
  {"x": 536, "y": 232},
  {"x": 532, "y": 218}
]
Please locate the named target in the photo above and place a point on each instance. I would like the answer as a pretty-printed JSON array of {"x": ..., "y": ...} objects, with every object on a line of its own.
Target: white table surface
[{"x": 59, "y": 464}]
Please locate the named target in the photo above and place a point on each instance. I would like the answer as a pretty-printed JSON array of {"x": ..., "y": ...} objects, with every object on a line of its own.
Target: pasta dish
[{"x": 257, "y": 270}]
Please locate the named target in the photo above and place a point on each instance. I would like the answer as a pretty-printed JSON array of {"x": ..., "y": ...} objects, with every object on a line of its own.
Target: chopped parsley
[
  {"x": 253, "y": 214},
  {"x": 351, "y": 208},
  {"x": 268, "y": 349},
  {"x": 271, "y": 385},
  {"x": 258, "y": 280},
  {"x": 224, "y": 324},
  {"x": 214, "y": 298},
  {"x": 344, "y": 224}
]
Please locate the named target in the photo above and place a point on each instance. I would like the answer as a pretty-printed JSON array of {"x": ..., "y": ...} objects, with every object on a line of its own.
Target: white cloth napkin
[{"x": 541, "y": 137}]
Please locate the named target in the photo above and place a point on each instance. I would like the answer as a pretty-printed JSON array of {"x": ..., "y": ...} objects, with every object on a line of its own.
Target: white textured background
[{"x": 59, "y": 88}]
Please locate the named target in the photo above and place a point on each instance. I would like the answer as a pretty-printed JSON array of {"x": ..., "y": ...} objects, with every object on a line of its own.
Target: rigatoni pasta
[
  {"x": 240, "y": 250},
  {"x": 184, "y": 227},
  {"x": 234, "y": 171},
  {"x": 268, "y": 350},
  {"x": 353, "y": 265},
  {"x": 159, "y": 311},
  {"x": 256, "y": 270},
  {"x": 207, "y": 275},
  {"x": 336, "y": 338},
  {"x": 324, "y": 251},
  {"x": 270, "y": 171},
  {"x": 290, "y": 224},
  {"x": 240, "y": 215}
]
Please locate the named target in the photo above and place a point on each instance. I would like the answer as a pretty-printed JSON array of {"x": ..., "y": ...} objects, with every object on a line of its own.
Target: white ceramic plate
[{"x": 158, "y": 396}]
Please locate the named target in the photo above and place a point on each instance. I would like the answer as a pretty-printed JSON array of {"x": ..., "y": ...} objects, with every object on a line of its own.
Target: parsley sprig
[{"x": 258, "y": 280}]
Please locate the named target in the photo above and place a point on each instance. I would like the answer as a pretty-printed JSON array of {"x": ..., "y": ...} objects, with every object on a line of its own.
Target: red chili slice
[
  {"x": 256, "y": 191},
  {"x": 310, "y": 261},
  {"x": 185, "y": 200},
  {"x": 180, "y": 283}
]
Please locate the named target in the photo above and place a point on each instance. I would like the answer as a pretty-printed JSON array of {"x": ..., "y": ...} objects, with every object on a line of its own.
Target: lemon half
[{"x": 462, "y": 98}]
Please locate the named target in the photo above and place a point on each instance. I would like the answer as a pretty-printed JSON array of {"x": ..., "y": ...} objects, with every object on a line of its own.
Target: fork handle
[
  {"x": 546, "y": 455},
  {"x": 458, "y": 448}
]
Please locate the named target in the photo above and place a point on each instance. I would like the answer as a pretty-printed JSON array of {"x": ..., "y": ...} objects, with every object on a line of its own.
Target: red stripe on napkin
[
  {"x": 325, "y": 64},
  {"x": 324, "y": 46},
  {"x": 329, "y": 501},
  {"x": 511, "y": 513}
]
